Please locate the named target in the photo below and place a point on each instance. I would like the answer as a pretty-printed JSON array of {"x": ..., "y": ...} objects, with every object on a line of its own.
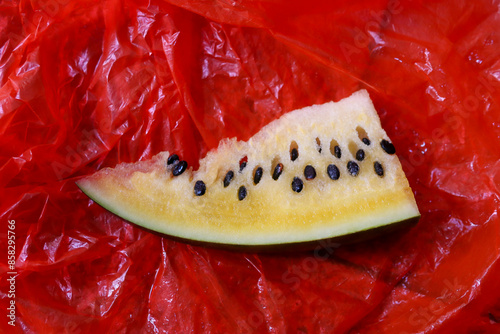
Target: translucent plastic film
[{"x": 88, "y": 84}]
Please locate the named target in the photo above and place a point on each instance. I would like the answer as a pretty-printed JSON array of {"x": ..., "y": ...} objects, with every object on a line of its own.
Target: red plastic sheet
[{"x": 87, "y": 84}]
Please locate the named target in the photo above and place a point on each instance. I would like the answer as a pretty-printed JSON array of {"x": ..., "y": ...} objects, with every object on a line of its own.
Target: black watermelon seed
[
  {"x": 352, "y": 168},
  {"x": 258, "y": 175},
  {"x": 387, "y": 146},
  {"x": 337, "y": 151},
  {"x": 333, "y": 172},
  {"x": 242, "y": 193},
  {"x": 309, "y": 172},
  {"x": 360, "y": 155},
  {"x": 378, "y": 168},
  {"x": 199, "y": 188},
  {"x": 277, "y": 171},
  {"x": 294, "y": 154},
  {"x": 366, "y": 141},
  {"x": 227, "y": 179},
  {"x": 172, "y": 159},
  {"x": 179, "y": 168},
  {"x": 297, "y": 185},
  {"x": 243, "y": 163}
]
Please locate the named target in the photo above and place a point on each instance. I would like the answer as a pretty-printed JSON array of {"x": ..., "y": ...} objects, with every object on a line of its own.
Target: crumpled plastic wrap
[{"x": 88, "y": 84}]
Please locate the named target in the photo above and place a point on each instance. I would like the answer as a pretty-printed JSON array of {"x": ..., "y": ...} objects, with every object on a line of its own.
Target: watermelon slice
[{"x": 316, "y": 173}]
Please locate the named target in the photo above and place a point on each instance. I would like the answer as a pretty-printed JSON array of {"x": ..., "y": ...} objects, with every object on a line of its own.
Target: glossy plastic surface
[{"x": 87, "y": 84}]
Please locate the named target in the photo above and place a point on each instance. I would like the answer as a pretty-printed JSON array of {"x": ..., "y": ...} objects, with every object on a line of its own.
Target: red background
[{"x": 87, "y": 84}]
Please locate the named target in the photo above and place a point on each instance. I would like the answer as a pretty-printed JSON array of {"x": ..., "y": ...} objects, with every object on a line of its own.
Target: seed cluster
[{"x": 177, "y": 167}]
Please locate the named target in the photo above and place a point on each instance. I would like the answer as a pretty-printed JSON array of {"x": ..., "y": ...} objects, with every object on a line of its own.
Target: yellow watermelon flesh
[{"x": 286, "y": 209}]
